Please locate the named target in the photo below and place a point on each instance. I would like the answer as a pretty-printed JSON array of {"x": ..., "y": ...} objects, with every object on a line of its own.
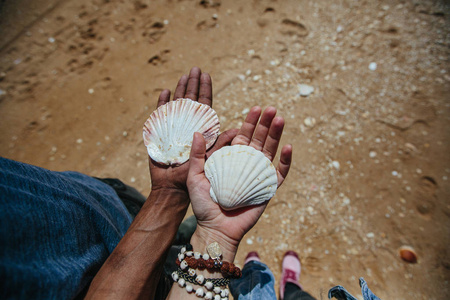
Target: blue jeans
[
  {"x": 56, "y": 231},
  {"x": 257, "y": 282},
  {"x": 341, "y": 293}
]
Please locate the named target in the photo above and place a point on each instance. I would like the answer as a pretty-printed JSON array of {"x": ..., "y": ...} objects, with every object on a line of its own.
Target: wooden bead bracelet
[
  {"x": 228, "y": 270},
  {"x": 212, "y": 261}
]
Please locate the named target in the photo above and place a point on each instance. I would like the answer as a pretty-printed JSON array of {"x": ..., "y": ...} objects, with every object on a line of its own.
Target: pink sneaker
[
  {"x": 252, "y": 256},
  {"x": 291, "y": 271}
]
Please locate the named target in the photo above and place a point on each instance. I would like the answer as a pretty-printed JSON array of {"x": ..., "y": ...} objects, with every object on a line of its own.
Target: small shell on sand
[
  {"x": 408, "y": 254},
  {"x": 305, "y": 90}
]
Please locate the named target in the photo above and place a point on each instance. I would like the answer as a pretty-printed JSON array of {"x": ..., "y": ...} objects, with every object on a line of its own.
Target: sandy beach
[{"x": 363, "y": 86}]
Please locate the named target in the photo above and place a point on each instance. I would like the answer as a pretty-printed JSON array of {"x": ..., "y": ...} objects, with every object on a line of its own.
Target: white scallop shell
[
  {"x": 169, "y": 131},
  {"x": 240, "y": 176}
]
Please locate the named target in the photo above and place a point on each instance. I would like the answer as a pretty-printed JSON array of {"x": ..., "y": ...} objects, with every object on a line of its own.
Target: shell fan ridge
[
  {"x": 169, "y": 131},
  {"x": 240, "y": 176}
]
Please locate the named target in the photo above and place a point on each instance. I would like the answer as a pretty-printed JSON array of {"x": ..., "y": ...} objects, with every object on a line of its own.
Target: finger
[
  {"x": 262, "y": 130},
  {"x": 245, "y": 134},
  {"x": 197, "y": 156},
  {"x": 164, "y": 97},
  {"x": 284, "y": 164},
  {"x": 193, "y": 84},
  {"x": 180, "y": 90},
  {"x": 224, "y": 139},
  {"x": 273, "y": 139},
  {"x": 205, "y": 95}
]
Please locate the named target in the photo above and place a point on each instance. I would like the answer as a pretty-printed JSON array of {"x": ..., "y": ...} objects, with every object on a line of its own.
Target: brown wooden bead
[
  {"x": 201, "y": 264},
  {"x": 225, "y": 267},
  {"x": 209, "y": 264},
  {"x": 194, "y": 264}
]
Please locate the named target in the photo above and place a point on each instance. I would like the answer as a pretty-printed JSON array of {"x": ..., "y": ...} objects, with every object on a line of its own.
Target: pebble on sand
[
  {"x": 372, "y": 66},
  {"x": 336, "y": 164},
  {"x": 305, "y": 90},
  {"x": 310, "y": 122},
  {"x": 408, "y": 254}
]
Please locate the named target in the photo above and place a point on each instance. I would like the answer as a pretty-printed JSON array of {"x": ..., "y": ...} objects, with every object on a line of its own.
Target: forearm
[{"x": 133, "y": 269}]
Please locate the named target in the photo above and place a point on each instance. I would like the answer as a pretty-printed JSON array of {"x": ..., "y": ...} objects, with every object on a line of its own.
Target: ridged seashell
[
  {"x": 240, "y": 176},
  {"x": 169, "y": 130}
]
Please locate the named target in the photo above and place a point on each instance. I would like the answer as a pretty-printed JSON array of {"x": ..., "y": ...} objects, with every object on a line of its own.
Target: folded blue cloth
[
  {"x": 56, "y": 230},
  {"x": 341, "y": 293}
]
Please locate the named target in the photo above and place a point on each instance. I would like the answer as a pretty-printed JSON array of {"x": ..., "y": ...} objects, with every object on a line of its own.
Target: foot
[
  {"x": 252, "y": 256},
  {"x": 291, "y": 271}
]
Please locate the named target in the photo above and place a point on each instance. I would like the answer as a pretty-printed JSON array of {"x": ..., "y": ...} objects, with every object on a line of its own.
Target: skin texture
[
  {"x": 133, "y": 269},
  {"x": 229, "y": 227}
]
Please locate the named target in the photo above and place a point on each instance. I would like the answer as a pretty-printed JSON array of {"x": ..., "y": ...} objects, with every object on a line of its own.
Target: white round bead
[
  {"x": 189, "y": 288},
  {"x": 208, "y": 295},
  {"x": 200, "y": 279},
  {"x": 205, "y": 256},
  {"x": 181, "y": 282},
  {"x": 209, "y": 285},
  {"x": 183, "y": 265},
  {"x": 227, "y": 292},
  {"x": 222, "y": 293},
  {"x": 197, "y": 255},
  {"x": 191, "y": 272},
  {"x": 189, "y": 253},
  {"x": 224, "y": 298},
  {"x": 217, "y": 290},
  {"x": 200, "y": 292},
  {"x": 183, "y": 250},
  {"x": 174, "y": 276},
  {"x": 217, "y": 297},
  {"x": 181, "y": 256}
]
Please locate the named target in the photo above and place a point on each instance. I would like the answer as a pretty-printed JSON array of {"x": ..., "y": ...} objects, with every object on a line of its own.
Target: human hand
[
  {"x": 198, "y": 87},
  {"x": 228, "y": 227}
]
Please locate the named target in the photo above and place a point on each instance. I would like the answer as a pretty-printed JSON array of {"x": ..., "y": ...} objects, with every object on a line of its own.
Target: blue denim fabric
[
  {"x": 340, "y": 293},
  {"x": 56, "y": 230},
  {"x": 257, "y": 282}
]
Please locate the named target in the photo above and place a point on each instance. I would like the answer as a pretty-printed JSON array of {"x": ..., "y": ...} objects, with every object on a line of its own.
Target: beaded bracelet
[
  {"x": 196, "y": 260},
  {"x": 219, "y": 294},
  {"x": 212, "y": 261},
  {"x": 207, "y": 281}
]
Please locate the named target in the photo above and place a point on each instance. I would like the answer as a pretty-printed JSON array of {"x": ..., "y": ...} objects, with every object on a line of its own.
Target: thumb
[{"x": 197, "y": 157}]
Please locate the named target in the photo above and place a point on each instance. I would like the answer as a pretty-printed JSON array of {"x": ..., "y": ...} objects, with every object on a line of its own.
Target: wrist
[
  {"x": 203, "y": 237},
  {"x": 168, "y": 199},
  {"x": 167, "y": 191}
]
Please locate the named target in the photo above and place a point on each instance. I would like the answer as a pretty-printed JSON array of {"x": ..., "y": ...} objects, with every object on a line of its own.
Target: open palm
[
  {"x": 231, "y": 226},
  {"x": 198, "y": 87}
]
